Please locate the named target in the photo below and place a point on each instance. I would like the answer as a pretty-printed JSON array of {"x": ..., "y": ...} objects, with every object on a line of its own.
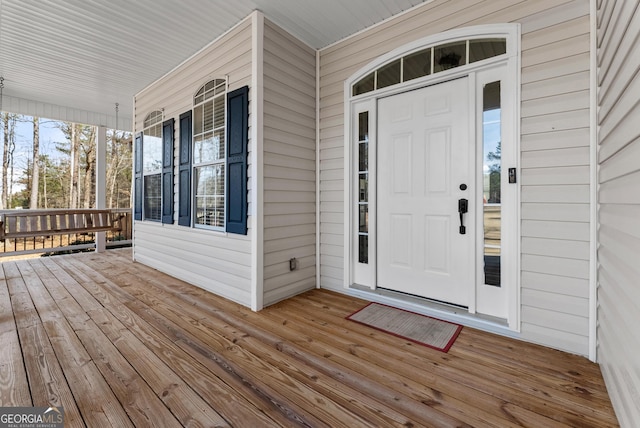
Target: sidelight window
[
  {"x": 363, "y": 187},
  {"x": 492, "y": 187}
]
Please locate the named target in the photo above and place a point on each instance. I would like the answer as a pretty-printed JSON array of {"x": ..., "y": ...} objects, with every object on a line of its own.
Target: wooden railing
[{"x": 61, "y": 230}]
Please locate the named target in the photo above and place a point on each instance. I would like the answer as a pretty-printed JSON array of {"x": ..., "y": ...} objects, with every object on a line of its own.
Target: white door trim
[{"x": 511, "y": 62}]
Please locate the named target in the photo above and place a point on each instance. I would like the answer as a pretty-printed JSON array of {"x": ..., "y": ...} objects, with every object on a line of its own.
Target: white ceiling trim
[{"x": 67, "y": 114}]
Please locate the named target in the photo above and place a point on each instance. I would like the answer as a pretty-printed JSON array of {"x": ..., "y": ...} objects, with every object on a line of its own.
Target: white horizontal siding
[
  {"x": 289, "y": 165},
  {"x": 618, "y": 77},
  {"x": 215, "y": 261},
  {"x": 555, "y": 144}
]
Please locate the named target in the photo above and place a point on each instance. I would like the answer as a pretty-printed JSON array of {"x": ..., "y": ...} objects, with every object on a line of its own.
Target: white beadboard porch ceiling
[{"x": 87, "y": 55}]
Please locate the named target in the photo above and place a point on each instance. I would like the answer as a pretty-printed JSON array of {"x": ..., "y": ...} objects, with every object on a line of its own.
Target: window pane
[
  {"x": 210, "y": 195},
  {"x": 207, "y": 116},
  {"x": 416, "y": 65},
  {"x": 363, "y": 156},
  {"x": 486, "y": 48},
  {"x": 152, "y": 197},
  {"x": 389, "y": 75},
  {"x": 363, "y": 187},
  {"x": 449, "y": 56},
  {"x": 363, "y": 126},
  {"x": 203, "y": 148},
  {"x": 153, "y": 118},
  {"x": 219, "y": 148},
  {"x": 363, "y": 249},
  {"x": 197, "y": 119},
  {"x": 492, "y": 170},
  {"x": 364, "y": 85},
  {"x": 218, "y": 112},
  {"x": 151, "y": 153}
]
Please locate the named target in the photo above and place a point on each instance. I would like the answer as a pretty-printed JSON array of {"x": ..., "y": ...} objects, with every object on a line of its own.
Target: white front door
[{"x": 426, "y": 152}]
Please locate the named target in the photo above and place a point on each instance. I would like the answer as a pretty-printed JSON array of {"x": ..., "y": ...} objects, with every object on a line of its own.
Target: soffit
[{"x": 91, "y": 54}]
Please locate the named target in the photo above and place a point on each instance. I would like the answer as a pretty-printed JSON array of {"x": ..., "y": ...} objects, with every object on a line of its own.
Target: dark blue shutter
[
  {"x": 184, "y": 195},
  {"x": 167, "y": 171},
  {"x": 237, "y": 139},
  {"x": 137, "y": 187}
]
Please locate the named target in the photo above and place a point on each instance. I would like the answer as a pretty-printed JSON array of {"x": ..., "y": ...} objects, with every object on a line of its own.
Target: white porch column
[{"x": 101, "y": 183}]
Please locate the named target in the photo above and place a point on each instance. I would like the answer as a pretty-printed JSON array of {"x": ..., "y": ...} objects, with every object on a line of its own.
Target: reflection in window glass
[
  {"x": 210, "y": 195},
  {"x": 492, "y": 170},
  {"x": 152, "y": 197},
  {"x": 364, "y": 85},
  {"x": 419, "y": 64},
  {"x": 486, "y": 48},
  {"x": 363, "y": 187},
  {"x": 416, "y": 65},
  {"x": 209, "y": 154},
  {"x": 152, "y": 166},
  {"x": 388, "y": 75},
  {"x": 451, "y": 55},
  {"x": 363, "y": 249},
  {"x": 152, "y": 150}
]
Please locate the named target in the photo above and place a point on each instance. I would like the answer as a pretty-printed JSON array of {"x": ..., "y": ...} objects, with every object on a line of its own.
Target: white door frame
[{"x": 507, "y": 68}]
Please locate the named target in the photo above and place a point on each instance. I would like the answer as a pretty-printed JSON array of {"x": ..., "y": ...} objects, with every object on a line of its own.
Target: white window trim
[
  {"x": 512, "y": 33},
  {"x": 194, "y": 165}
]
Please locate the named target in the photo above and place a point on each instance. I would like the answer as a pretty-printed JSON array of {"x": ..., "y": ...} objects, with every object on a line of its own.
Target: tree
[
  {"x": 35, "y": 161},
  {"x": 9, "y": 121},
  {"x": 5, "y": 158},
  {"x": 119, "y": 147},
  {"x": 495, "y": 194},
  {"x": 88, "y": 148},
  {"x": 75, "y": 159}
]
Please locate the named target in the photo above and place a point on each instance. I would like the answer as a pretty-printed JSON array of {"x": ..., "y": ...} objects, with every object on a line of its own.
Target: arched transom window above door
[{"x": 430, "y": 60}]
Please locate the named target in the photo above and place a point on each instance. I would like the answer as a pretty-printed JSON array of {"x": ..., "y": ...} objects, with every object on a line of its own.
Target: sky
[{"x": 49, "y": 135}]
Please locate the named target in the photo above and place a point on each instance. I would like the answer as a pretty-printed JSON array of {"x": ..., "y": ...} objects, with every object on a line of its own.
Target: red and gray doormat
[{"x": 421, "y": 329}]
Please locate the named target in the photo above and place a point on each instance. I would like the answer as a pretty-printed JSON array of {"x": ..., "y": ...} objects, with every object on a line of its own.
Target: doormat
[{"x": 421, "y": 329}]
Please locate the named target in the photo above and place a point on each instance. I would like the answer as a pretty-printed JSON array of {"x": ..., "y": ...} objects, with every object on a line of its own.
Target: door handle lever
[{"x": 463, "y": 207}]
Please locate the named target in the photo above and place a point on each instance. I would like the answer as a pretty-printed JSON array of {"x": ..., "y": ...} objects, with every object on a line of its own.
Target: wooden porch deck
[{"x": 119, "y": 344}]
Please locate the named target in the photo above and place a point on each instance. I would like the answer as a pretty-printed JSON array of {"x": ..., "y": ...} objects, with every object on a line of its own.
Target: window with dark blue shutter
[
  {"x": 167, "y": 171},
  {"x": 152, "y": 158},
  {"x": 137, "y": 193},
  {"x": 237, "y": 139},
  {"x": 184, "y": 161}
]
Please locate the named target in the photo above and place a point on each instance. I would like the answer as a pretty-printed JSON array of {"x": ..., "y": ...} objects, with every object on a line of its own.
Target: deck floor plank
[
  {"x": 126, "y": 345},
  {"x": 133, "y": 313},
  {"x": 14, "y": 386},
  {"x": 469, "y": 372}
]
